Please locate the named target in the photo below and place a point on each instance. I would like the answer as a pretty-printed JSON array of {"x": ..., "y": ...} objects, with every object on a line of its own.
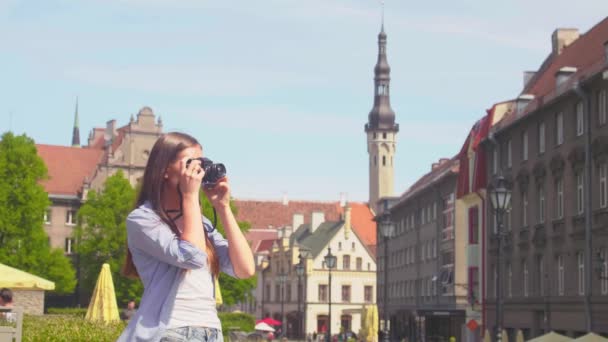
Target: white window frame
[
  {"x": 541, "y": 138},
  {"x": 580, "y": 119},
  {"x": 580, "y": 257},
  {"x": 70, "y": 217},
  {"x": 541, "y": 203},
  {"x": 509, "y": 154},
  {"x": 580, "y": 193},
  {"x": 560, "y": 275},
  {"x": 604, "y": 185},
  {"x": 524, "y": 144},
  {"x": 560, "y": 128},
  {"x": 602, "y": 107},
  {"x": 48, "y": 214},
  {"x": 524, "y": 265},
  {"x": 69, "y": 245},
  {"x": 559, "y": 189}
]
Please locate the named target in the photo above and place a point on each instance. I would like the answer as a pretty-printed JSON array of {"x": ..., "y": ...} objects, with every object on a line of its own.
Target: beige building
[{"x": 353, "y": 278}]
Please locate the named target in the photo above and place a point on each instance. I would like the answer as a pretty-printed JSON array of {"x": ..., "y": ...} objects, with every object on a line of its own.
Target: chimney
[
  {"x": 347, "y": 222},
  {"x": 342, "y": 199},
  {"x": 297, "y": 221},
  {"x": 528, "y": 76},
  {"x": 318, "y": 217},
  {"x": 563, "y": 74},
  {"x": 287, "y": 230},
  {"x": 562, "y": 38},
  {"x": 108, "y": 136},
  {"x": 285, "y": 200},
  {"x": 522, "y": 101},
  {"x": 434, "y": 166}
]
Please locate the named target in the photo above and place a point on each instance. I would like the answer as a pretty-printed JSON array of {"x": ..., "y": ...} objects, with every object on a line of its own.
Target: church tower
[
  {"x": 381, "y": 130},
  {"x": 76, "y": 129}
]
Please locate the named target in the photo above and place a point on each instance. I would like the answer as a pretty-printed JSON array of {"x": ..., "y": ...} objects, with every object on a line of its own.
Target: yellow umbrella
[
  {"x": 591, "y": 337},
  {"x": 103, "y": 302},
  {"x": 551, "y": 337},
  {"x": 363, "y": 330},
  {"x": 218, "y": 293},
  {"x": 487, "y": 337},
  {"x": 505, "y": 335},
  {"x": 520, "y": 336}
]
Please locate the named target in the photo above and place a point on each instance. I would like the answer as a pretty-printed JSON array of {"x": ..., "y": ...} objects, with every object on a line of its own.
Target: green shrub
[
  {"x": 236, "y": 321},
  {"x": 79, "y": 312},
  {"x": 60, "y": 328}
]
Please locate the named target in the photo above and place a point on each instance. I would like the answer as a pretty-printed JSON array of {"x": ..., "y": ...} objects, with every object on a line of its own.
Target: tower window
[
  {"x": 382, "y": 89},
  {"x": 374, "y": 135},
  {"x": 384, "y": 135},
  {"x": 375, "y": 160},
  {"x": 383, "y": 160}
]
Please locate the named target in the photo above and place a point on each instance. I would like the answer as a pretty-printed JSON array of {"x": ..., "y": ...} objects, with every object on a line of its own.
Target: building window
[
  {"x": 509, "y": 154},
  {"x": 541, "y": 138},
  {"x": 559, "y": 189},
  {"x": 524, "y": 209},
  {"x": 473, "y": 225},
  {"x": 322, "y": 293},
  {"x": 580, "y": 121},
  {"x": 524, "y": 266},
  {"x": 509, "y": 281},
  {"x": 70, "y": 217},
  {"x": 541, "y": 275},
  {"x": 495, "y": 161},
  {"x": 47, "y": 216},
  {"x": 368, "y": 294},
  {"x": 524, "y": 145},
  {"x": 375, "y": 160},
  {"x": 352, "y": 246},
  {"x": 560, "y": 128},
  {"x": 369, "y": 266},
  {"x": 277, "y": 293},
  {"x": 383, "y": 160},
  {"x": 346, "y": 293},
  {"x": 69, "y": 245},
  {"x": 346, "y": 262},
  {"x": 604, "y": 185},
  {"x": 580, "y": 200},
  {"x": 560, "y": 275},
  {"x": 267, "y": 294},
  {"x": 473, "y": 285},
  {"x": 602, "y": 107},
  {"x": 359, "y": 264},
  {"x": 580, "y": 257},
  {"x": 541, "y": 203},
  {"x": 604, "y": 268},
  {"x": 288, "y": 293}
]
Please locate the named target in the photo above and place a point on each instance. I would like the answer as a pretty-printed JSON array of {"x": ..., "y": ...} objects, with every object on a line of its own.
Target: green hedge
[
  {"x": 59, "y": 328},
  {"x": 68, "y": 324}
]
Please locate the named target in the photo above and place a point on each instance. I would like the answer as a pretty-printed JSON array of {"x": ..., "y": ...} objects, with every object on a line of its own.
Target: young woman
[{"x": 175, "y": 251}]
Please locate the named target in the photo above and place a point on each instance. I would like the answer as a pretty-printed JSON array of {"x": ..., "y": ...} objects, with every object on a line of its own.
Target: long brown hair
[{"x": 164, "y": 152}]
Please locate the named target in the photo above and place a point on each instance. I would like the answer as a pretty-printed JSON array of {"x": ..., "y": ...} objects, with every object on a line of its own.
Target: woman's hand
[
  {"x": 191, "y": 177},
  {"x": 219, "y": 195}
]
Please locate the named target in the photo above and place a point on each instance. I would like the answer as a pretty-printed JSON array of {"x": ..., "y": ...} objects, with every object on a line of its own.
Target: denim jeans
[{"x": 192, "y": 334}]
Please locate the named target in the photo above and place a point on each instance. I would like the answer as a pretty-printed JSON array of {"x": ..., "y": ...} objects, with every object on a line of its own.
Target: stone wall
[{"x": 32, "y": 301}]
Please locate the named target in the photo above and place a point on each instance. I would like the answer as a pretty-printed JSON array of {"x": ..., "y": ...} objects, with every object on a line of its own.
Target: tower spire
[
  {"x": 381, "y": 129},
  {"x": 76, "y": 130}
]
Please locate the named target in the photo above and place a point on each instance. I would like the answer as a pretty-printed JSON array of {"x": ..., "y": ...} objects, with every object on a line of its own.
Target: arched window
[{"x": 383, "y": 160}]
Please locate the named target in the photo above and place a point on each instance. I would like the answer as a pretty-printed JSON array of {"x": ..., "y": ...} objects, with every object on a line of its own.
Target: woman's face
[{"x": 174, "y": 170}]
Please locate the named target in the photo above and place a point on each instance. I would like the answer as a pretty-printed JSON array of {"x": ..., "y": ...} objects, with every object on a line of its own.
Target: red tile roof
[
  {"x": 256, "y": 236},
  {"x": 263, "y": 214},
  {"x": 264, "y": 246},
  {"x": 583, "y": 53},
  {"x": 68, "y": 167}
]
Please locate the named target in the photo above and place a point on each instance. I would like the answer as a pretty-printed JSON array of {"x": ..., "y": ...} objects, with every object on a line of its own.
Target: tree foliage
[
  {"x": 101, "y": 235},
  {"x": 23, "y": 202},
  {"x": 233, "y": 290}
]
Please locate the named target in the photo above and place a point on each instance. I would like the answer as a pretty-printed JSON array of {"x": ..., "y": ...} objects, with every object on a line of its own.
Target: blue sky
[{"x": 278, "y": 90}]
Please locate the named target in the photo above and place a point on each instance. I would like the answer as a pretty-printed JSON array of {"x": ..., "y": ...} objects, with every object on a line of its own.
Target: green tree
[
  {"x": 101, "y": 235},
  {"x": 233, "y": 290},
  {"x": 23, "y": 202}
]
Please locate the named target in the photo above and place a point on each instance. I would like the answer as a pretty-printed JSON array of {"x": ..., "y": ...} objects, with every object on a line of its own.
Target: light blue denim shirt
[{"x": 160, "y": 258}]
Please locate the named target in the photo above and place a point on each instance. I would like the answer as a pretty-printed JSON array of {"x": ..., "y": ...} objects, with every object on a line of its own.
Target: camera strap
[{"x": 180, "y": 212}]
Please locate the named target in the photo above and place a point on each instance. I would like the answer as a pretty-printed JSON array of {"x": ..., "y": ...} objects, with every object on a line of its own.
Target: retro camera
[{"x": 214, "y": 172}]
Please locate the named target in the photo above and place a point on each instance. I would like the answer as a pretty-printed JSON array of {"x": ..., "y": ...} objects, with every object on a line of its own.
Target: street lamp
[
  {"x": 330, "y": 262},
  {"x": 387, "y": 230},
  {"x": 282, "y": 278},
  {"x": 500, "y": 198},
  {"x": 300, "y": 272}
]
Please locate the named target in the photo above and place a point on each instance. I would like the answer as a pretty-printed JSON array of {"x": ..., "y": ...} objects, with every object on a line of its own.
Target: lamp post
[
  {"x": 387, "y": 229},
  {"x": 300, "y": 273},
  {"x": 282, "y": 278},
  {"x": 500, "y": 198},
  {"x": 330, "y": 262}
]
